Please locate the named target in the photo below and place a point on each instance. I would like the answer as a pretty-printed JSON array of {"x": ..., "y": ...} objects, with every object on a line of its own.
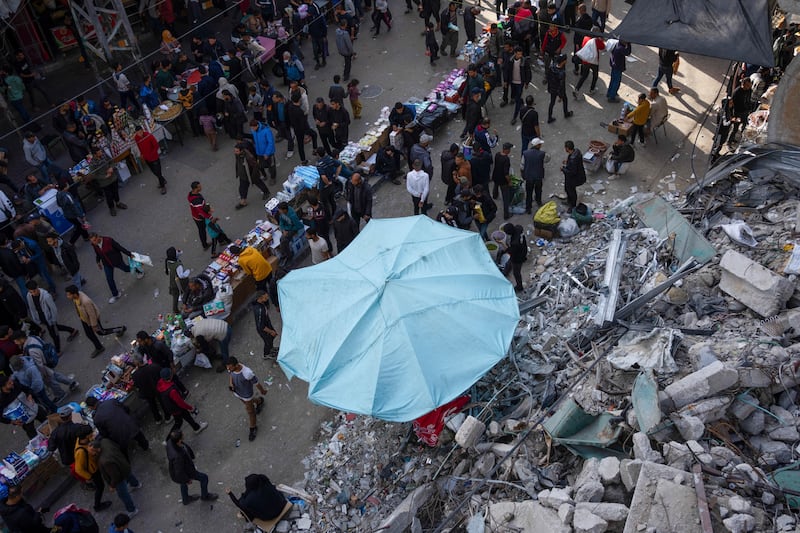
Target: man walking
[
  {"x": 183, "y": 471},
  {"x": 175, "y": 405},
  {"x": 501, "y": 177},
  {"x": 299, "y": 124},
  {"x": 241, "y": 383},
  {"x": 517, "y": 73},
  {"x": 264, "y": 143},
  {"x": 145, "y": 379},
  {"x": 557, "y": 87},
  {"x": 90, "y": 319},
  {"x": 532, "y": 169},
  {"x": 108, "y": 254},
  {"x": 264, "y": 327},
  {"x": 530, "y": 123},
  {"x": 345, "y": 46},
  {"x": 618, "y": 64},
  {"x": 44, "y": 313},
  {"x": 574, "y": 173},
  {"x": 116, "y": 471},
  {"x": 740, "y": 104},
  {"x": 197, "y": 206},
  {"x": 418, "y": 186},
  {"x": 148, "y": 146},
  {"x": 666, "y": 58},
  {"x": 359, "y": 196},
  {"x": 448, "y": 24}
]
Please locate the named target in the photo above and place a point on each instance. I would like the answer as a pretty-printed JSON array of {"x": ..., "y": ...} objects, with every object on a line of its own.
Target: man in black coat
[
  {"x": 472, "y": 115},
  {"x": 145, "y": 378},
  {"x": 345, "y": 229},
  {"x": 159, "y": 353},
  {"x": 11, "y": 265},
  {"x": 64, "y": 436},
  {"x": 182, "y": 470},
  {"x": 500, "y": 177},
  {"x": 340, "y": 122},
  {"x": 574, "y": 173},
  {"x": 517, "y": 74},
  {"x": 448, "y": 161},
  {"x": 108, "y": 254},
  {"x": 114, "y": 421},
  {"x": 481, "y": 163},
  {"x": 299, "y": 123},
  {"x": 532, "y": 168},
  {"x": 359, "y": 196},
  {"x": 387, "y": 163},
  {"x": 19, "y": 515},
  {"x": 321, "y": 113}
]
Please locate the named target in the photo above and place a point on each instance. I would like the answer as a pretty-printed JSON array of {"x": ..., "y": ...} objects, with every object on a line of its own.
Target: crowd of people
[{"x": 236, "y": 95}]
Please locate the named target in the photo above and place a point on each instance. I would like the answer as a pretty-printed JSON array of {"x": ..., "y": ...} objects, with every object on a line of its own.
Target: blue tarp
[{"x": 405, "y": 319}]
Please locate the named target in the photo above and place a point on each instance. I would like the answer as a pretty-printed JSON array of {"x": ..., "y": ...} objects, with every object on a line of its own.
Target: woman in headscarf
[
  {"x": 173, "y": 269},
  {"x": 170, "y": 46},
  {"x": 260, "y": 499},
  {"x": 225, "y": 85}
]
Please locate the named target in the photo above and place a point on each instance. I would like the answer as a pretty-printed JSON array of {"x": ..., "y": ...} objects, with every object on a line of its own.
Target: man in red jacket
[
  {"x": 148, "y": 146},
  {"x": 175, "y": 405},
  {"x": 196, "y": 206}
]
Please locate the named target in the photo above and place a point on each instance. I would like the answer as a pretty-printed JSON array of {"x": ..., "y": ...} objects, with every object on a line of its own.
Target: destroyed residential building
[{"x": 650, "y": 385}]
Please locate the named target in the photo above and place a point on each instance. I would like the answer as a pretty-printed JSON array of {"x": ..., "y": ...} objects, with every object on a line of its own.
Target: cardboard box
[{"x": 622, "y": 128}]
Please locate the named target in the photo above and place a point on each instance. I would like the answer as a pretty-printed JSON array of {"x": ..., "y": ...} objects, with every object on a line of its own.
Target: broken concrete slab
[
  {"x": 629, "y": 472},
  {"x": 708, "y": 410},
  {"x": 663, "y": 502},
  {"x": 529, "y": 516},
  {"x": 707, "y": 381},
  {"x": 610, "y": 512},
  {"x": 591, "y": 491},
  {"x": 566, "y": 512},
  {"x": 740, "y": 523},
  {"x": 402, "y": 516},
  {"x": 608, "y": 469},
  {"x": 470, "y": 432},
  {"x": 757, "y": 287},
  {"x": 754, "y": 378},
  {"x": 554, "y": 498},
  {"x": 642, "y": 449},
  {"x": 743, "y": 405},
  {"x": 584, "y": 521}
]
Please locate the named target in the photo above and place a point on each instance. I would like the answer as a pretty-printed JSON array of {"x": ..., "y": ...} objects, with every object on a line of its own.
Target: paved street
[{"x": 393, "y": 66}]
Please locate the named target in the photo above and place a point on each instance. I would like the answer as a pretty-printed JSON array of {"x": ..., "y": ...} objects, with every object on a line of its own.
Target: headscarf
[
  {"x": 172, "y": 255},
  {"x": 166, "y": 36},
  {"x": 225, "y": 85}
]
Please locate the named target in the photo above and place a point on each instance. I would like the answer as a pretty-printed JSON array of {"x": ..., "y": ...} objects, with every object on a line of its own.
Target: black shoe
[
  {"x": 551, "y": 120},
  {"x": 503, "y": 103},
  {"x": 513, "y": 121},
  {"x": 206, "y": 246},
  {"x": 569, "y": 114},
  {"x": 190, "y": 499},
  {"x": 252, "y": 436},
  {"x": 102, "y": 506},
  {"x": 210, "y": 497},
  {"x": 528, "y": 211},
  {"x": 121, "y": 332}
]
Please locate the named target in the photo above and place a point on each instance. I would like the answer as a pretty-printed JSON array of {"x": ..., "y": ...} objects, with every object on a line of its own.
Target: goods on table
[{"x": 166, "y": 111}]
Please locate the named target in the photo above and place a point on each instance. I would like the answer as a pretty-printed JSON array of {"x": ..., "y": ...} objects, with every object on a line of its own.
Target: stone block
[
  {"x": 757, "y": 287},
  {"x": 629, "y": 472},
  {"x": 610, "y": 512},
  {"x": 565, "y": 513},
  {"x": 485, "y": 463},
  {"x": 554, "y": 498},
  {"x": 740, "y": 523},
  {"x": 785, "y": 434},
  {"x": 690, "y": 427},
  {"x": 642, "y": 449},
  {"x": 741, "y": 407},
  {"x": 589, "y": 472},
  {"x": 707, "y": 381},
  {"x": 753, "y": 424},
  {"x": 591, "y": 491},
  {"x": 779, "y": 450},
  {"x": 737, "y": 504},
  {"x": 784, "y": 522},
  {"x": 754, "y": 378},
  {"x": 767, "y": 498},
  {"x": 608, "y": 470},
  {"x": 584, "y": 521},
  {"x": 529, "y": 516},
  {"x": 723, "y": 456},
  {"x": 470, "y": 432},
  {"x": 663, "y": 495}
]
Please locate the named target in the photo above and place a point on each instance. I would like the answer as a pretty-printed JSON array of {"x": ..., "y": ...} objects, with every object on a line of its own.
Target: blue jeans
[
  {"x": 43, "y": 168},
  {"x": 124, "y": 494},
  {"x": 203, "y": 479},
  {"x": 525, "y": 142},
  {"x": 42, "y": 266},
  {"x": 21, "y": 284},
  {"x": 516, "y": 95},
  {"x": 42, "y": 398},
  {"x": 223, "y": 346},
  {"x": 109, "y": 271},
  {"x": 599, "y": 19},
  {"x": 613, "y": 84},
  {"x": 664, "y": 72},
  {"x": 19, "y": 105}
]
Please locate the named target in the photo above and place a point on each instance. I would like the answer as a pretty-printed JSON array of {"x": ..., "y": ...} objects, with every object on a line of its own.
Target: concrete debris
[{"x": 557, "y": 439}]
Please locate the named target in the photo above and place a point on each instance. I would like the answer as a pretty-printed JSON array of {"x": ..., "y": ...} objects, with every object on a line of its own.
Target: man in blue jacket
[
  {"x": 290, "y": 225},
  {"x": 264, "y": 144}
]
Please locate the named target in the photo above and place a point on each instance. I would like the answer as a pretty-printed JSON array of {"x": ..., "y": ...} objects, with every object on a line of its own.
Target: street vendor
[
  {"x": 160, "y": 354},
  {"x": 9, "y": 391},
  {"x": 252, "y": 262},
  {"x": 260, "y": 498},
  {"x": 201, "y": 291}
]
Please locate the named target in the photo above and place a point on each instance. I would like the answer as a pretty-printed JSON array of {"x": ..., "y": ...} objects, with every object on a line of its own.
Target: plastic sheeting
[
  {"x": 410, "y": 315},
  {"x": 738, "y": 30}
]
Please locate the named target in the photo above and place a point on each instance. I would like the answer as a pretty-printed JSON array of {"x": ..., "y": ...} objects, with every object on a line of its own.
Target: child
[
  {"x": 354, "y": 92},
  {"x": 256, "y": 102},
  {"x": 120, "y": 524},
  {"x": 214, "y": 231},
  {"x": 431, "y": 46},
  {"x": 209, "y": 123}
]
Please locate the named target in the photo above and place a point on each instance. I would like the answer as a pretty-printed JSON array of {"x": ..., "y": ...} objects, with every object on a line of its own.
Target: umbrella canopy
[
  {"x": 406, "y": 318},
  {"x": 730, "y": 29}
]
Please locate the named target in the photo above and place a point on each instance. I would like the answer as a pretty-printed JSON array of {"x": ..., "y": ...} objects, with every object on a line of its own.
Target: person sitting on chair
[
  {"x": 260, "y": 499},
  {"x": 621, "y": 154}
]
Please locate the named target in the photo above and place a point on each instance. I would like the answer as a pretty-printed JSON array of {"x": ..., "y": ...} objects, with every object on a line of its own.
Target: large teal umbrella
[{"x": 410, "y": 315}]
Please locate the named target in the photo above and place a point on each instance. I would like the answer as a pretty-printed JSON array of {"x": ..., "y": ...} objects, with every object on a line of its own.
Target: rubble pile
[{"x": 650, "y": 387}]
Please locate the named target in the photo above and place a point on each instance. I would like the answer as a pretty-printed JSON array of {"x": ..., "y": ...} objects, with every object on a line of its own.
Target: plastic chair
[
  {"x": 662, "y": 124},
  {"x": 268, "y": 526}
]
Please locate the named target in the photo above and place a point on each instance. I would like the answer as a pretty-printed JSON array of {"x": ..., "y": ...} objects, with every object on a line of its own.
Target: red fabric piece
[{"x": 429, "y": 426}]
